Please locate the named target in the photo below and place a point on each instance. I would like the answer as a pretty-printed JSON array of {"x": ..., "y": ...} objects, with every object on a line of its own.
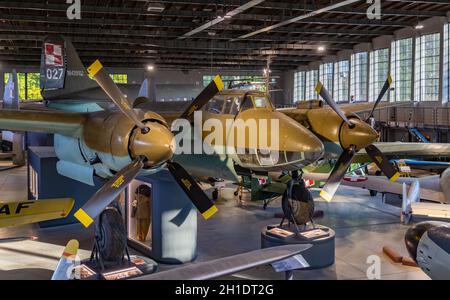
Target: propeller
[
  {"x": 323, "y": 92},
  {"x": 383, "y": 91},
  {"x": 108, "y": 193},
  {"x": 354, "y": 135},
  {"x": 337, "y": 174},
  {"x": 207, "y": 94},
  {"x": 382, "y": 162},
  {"x": 105, "y": 81},
  {"x": 204, "y": 205},
  {"x": 115, "y": 186}
]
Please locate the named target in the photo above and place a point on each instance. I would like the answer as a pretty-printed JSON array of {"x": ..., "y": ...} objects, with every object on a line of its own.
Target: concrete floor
[{"x": 363, "y": 226}]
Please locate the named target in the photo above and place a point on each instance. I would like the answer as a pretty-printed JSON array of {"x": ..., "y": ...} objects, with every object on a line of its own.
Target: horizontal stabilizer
[
  {"x": 26, "y": 212},
  {"x": 228, "y": 265}
]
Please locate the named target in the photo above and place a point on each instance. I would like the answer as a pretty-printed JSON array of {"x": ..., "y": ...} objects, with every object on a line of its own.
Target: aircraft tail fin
[
  {"x": 410, "y": 195},
  {"x": 62, "y": 72},
  {"x": 67, "y": 261}
]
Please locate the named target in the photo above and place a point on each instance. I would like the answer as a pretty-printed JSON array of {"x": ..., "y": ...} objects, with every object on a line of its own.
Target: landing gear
[
  {"x": 110, "y": 242},
  {"x": 297, "y": 202},
  {"x": 373, "y": 193}
]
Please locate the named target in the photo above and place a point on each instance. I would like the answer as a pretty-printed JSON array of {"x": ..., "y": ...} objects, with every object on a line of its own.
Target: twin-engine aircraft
[
  {"x": 343, "y": 132},
  {"x": 119, "y": 145}
]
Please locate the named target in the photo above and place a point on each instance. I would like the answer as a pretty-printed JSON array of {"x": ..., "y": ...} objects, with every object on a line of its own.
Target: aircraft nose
[
  {"x": 297, "y": 139},
  {"x": 361, "y": 135},
  {"x": 156, "y": 145}
]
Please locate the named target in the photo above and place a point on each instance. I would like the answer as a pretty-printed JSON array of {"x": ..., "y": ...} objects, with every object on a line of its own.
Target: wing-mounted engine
[{"x": 310, "y": 104}]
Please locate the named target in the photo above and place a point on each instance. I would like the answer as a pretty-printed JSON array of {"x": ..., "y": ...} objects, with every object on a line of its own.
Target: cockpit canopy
[{"x": 233, "y": 101}]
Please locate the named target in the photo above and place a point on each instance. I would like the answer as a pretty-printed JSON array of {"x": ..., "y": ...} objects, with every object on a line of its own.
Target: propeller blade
[
  {"x": 192, "y": 190},
  {"x": 207, "y": 94},
  {"x": 339, "y": 171},
  {"x": 66, "y": 263},
  {"x": 103, "y": 79},
  {"x": 382, "y": 162},
  {"x": 383, "y": 92},
  {"x": 322, "y": 91},
  {"x": 107, "y": 193}
]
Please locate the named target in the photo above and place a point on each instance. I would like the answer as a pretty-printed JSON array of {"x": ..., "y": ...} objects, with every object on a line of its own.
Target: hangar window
[
  {"x": 358, "y": 90},
  {"x": 446, "y": 78},
  {"x": 426, "y": 85},
  {"x": 119, "y": 78},
  {"x": 311, "y": 81},
  {"x": 299, "y": 86},
  {"x": 326, "y": 76},
  {"x": 29, "y": 85},
  {"x": 379, "y": 71},
  {"x": 341, "y": 70},
  {"x": 401, "y": 69}
]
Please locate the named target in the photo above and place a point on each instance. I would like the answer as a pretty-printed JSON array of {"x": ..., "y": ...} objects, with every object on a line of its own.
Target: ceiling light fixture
[
  {"x": 321, "y": 48},
  {"x": 150, "y": 67},
  {"x": 419, "y": 26}
]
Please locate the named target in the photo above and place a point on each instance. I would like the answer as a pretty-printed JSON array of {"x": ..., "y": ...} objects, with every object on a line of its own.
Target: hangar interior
[{"x": 280, "y": 49}]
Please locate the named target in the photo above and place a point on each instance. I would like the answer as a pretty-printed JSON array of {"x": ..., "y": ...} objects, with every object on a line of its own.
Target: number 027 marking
[{"x": 55, "y": 74}]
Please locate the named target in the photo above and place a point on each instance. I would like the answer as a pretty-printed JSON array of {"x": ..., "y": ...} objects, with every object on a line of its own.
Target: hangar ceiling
[{"x": 181, "y": 34}]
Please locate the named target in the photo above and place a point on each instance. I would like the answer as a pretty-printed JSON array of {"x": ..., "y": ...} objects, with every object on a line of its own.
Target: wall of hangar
[
  {"x": 418, "y": 60},
  {"x": 173, "y": 85}
]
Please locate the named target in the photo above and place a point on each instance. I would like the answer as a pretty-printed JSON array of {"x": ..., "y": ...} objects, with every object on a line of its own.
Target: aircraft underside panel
[
  {"x": 202, "y": 165},
  {"x": 81, "y": 173}
]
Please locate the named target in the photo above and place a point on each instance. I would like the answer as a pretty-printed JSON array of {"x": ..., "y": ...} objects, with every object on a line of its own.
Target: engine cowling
[{"x": 310, "y": 104}]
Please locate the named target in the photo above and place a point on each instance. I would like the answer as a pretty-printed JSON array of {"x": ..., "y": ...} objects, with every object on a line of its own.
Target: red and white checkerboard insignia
[
  {"x": 309, "y": 183},
  {"x": 53, "y": 55}
]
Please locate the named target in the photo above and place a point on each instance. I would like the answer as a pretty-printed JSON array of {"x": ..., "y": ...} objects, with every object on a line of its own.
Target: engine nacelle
[{"x": 310, "y": 104}]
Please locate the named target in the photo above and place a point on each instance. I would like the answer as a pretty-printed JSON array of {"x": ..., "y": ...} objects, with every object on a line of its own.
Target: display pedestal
[
  {"x": 173, "y": 221},
  {"x": 320, "y": 255},
  {"x": 89, "y": 270}
]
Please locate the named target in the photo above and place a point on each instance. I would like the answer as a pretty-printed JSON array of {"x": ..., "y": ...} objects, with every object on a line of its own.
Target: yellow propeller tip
[
  {"x": 94, "y": 68},
  {"x": 395, "y": 177},
  {"x": 83, "y": 217},
  {"x": 318, "y": 87},
  {"x": 390, "y": 80},
  {"x": 210, "y": 212},
  {"x": 326, "y": 196},
  {"x": 219, "y": 83},
  {"x": 71, "y": 248}
]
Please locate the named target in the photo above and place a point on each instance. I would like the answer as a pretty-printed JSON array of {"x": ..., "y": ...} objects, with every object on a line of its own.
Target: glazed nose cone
[
  {"x": 361, "y": 135},
  {"x": 156, "y": 145}
]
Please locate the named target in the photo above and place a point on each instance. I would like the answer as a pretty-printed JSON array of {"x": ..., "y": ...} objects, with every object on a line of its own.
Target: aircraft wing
[
  {"x": 42, "y": 121},
  {"x": 407, "y": 150},
  {"x": 26, "y": 212},
  {"x": 228, "y": 265},
  {"x": 383, "y": 185},
  {"x": 367, "y": 106}
]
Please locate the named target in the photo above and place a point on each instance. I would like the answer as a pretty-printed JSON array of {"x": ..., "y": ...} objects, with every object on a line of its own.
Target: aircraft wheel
[
  {"x": 373, "y": 193},
  {"x": 111, "y": 234},
  {"x": 300, "y": 207}
]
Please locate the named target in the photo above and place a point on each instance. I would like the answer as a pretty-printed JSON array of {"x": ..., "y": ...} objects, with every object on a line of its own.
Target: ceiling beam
[
  {"x": 220, "y": 19},
  {"x": 296, "y": 19}
]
